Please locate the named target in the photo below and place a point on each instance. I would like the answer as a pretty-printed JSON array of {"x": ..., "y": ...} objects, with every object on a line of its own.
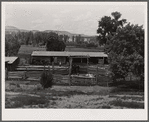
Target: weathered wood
[
  {"x": 87, "y": 64},
  {"x": 53, "y": 67},
  {"x": 107, "y": 84},
  {"x": 16, "y": 75},
  {"x": 49, "y": 68},
  {"x": 6, "y": 73},
  {"x": 70, "y": 67},
  {"x": 97, "y": 75}
]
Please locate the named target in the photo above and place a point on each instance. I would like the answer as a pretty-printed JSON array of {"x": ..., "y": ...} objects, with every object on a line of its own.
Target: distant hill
[
  {"x": 10, "y": 29},
  {"x": 59, "y": 32}
]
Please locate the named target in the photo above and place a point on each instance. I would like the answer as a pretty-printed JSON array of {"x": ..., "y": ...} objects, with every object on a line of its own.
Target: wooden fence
[{"x": 60, "y": 74}]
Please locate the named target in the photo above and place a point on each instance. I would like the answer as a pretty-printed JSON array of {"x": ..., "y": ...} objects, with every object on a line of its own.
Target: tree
[
  {"x": 66, "y": 37},
  {"x": 107, "y": 27},
  {"x": 61, "y": 37},
  {"x": 44, "y": 37},
  {"x": 126, "y": 52},
  {"x": 78, "y": 39},
  {"x": 11, "y": 45},
  {"x": 124, "y": 44},
  {"x": 53, "y": 44},
  {"x": 73, "y": 38},
  {"x": 38, "y": 37}
]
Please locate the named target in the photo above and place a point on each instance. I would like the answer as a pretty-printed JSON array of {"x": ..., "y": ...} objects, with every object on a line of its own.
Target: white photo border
[{"x": 73, "y": 114}]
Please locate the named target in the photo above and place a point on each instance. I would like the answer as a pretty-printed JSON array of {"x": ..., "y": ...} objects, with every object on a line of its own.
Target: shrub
[
  {"x": 46, "y": 79},
  {"x": 91, "y": 45}
]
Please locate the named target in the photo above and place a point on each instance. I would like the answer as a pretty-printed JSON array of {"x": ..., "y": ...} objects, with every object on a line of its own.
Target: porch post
[{"x": 103, "y": 61}]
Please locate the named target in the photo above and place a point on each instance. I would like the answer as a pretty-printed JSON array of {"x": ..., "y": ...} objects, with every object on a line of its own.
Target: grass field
[
  {"x": 30, "y": 94},
  {"x": 28, "y": 49}
]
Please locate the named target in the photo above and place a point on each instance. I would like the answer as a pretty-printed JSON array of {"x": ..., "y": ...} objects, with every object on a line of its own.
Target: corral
[
  {"x": 23, "y": 90},
  {"x": 69, "y": 64},
  {"x": 61, "y": 75},
  {"x": 88, "y": 89}
]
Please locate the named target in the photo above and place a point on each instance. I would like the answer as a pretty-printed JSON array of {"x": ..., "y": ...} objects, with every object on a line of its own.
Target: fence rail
[{"x": 60, "y": 74}]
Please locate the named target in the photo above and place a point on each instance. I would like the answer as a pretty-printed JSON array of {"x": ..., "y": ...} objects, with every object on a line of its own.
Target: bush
[
  {"x": 71, "y": 44},
  {"x": 46, "y": 79},
  {"x": 91, "y": 45}
]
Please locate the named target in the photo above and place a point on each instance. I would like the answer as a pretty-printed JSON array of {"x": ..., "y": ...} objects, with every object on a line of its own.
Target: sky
[{"x": 75, "y": 17}]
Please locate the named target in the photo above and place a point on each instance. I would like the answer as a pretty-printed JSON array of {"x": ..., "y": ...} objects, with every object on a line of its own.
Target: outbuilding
[
  {"x": 64, "y": 57},
  {"x": 11, "y": 63}
]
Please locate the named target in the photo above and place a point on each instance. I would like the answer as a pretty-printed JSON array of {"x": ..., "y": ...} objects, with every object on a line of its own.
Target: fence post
[
  {"x": 97, "y": 75},
  {"x": 6, "y": 73},
  {"x": 53, "y": 67},
  {"x": 49, "y": 68},
  {"x": 25, "y": 76},
  {"x": 70, "y": 66},
  {"x": 107, "y": 83},
  {"x": 103, "y": 60},
  {"x": 87, "y": 64}
]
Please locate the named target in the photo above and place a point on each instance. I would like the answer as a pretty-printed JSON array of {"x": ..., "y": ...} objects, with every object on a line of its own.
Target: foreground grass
[
  {"x": 127, "y": 104},
  {"x": 31, "y": 95},
  {"x": 23, "y": 100}
]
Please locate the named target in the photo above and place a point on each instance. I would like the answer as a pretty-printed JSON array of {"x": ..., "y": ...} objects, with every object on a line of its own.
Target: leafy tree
[
  {"x": 126, "y": 52},
  {"x": 66, "y": 37},
  {"x": 82, "y": 39},
  {"x": 11, "y": 45},
  {"x": 7, "y": 48},
  {"x": 124, "y": 44},
  {"x": 44, "y": 37},
  {"x": 27, "y": 37},
  {"x": 27, "y": 40},
  {"x": 38, "y": 37},
  {"x": 78, "y": 39},
  {"x": 31, "y": 37},
  {"x": 107, "y": 27},
  {"x": 73, "y": 38},
  {"x": 61, "y": 37},
  {"x": 53, "y": 44}
]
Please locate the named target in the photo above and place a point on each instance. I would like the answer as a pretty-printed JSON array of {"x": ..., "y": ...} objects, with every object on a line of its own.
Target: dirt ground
[{"x": 26, "y": 94}]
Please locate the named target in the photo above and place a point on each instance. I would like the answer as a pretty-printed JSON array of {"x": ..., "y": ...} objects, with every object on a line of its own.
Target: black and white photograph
[{"x": 74, "y": 60}]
